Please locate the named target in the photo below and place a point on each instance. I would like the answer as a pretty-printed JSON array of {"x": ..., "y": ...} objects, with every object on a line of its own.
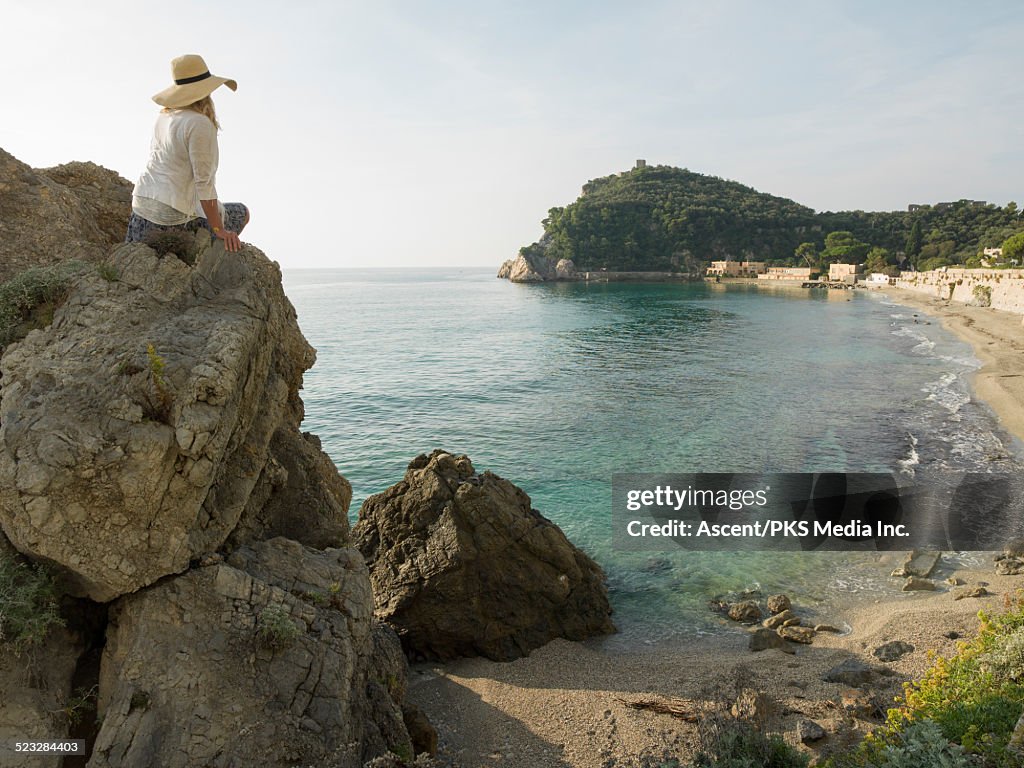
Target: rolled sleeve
[{"x": 204, "y": 156}]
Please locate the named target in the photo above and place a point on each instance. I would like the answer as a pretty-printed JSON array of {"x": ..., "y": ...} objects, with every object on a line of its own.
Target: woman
[{"x": 177, "y": 190}]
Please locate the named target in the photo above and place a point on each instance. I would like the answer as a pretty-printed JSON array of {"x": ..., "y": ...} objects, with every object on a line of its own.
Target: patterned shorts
[{"x": 235, "y": 215}]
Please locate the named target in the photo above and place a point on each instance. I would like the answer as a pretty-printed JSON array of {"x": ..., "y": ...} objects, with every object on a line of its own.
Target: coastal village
[{"x": 1001, "y": 289}]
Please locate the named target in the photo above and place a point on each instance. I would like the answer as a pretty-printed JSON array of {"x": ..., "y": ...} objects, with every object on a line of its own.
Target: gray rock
[
  {"x": 461, "y": 565},
  {"x": 1010, "y": 566},
  {"x": 796, "y": 633},
  {"x": 977, "y": 591},
  {"x": 918, "y": 563},
  {"x": 746, "y": 611},
  {"x": 773, "y": 622},
  {"x": 809, "y": 731},
  {"x": 779, "y": 603},
  {"x": 565, "y": 270},
  {"x": 916, "y": 584},
  {"x": 137, "y": 428},
  {"x": 762, "y": 639},
  {"x": 892, "y": 651},
  {"x": 422, "y": 733},
  {"x": 523, "y": 270},
  {"x": 193, "y": 671},
  {"x": 851, "y": 672},
  {"x": 1015, "y": 548},
  {"x": 827, "y": 628}
]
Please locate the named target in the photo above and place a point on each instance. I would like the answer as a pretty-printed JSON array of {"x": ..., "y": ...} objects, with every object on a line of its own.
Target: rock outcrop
[
  {"x": 461, "y": 565},
  {"x": 523, "y": 270},
  {"x": 72, "y": 211},
  {"x": 262, "y": 660},
  {"x": 138, "y": 428},
  {"x": 150, "y": 456}
]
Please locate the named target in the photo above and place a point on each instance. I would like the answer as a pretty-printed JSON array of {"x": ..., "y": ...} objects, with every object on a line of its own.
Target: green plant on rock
[
  {"x": 28, "y": 604},
  {"x": 108, "y": 272},
  {"x": 74, "y": 707},
  {"x": 159, "y": 401},
  {"x": 29, "y": 298},
  {"x": 275, "y": 629}
]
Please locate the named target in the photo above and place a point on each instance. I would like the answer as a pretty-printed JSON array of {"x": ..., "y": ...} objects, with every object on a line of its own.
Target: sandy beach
[
  {"x": 998, "y": 341},
  {"x": 567, "y": 704}
]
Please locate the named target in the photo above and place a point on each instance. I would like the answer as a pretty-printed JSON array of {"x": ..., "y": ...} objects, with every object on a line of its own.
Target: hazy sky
[{"x": 439, "y": 133}]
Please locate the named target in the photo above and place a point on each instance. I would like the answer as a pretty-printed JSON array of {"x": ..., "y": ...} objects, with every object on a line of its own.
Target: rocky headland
[{"x": 205, "y": 601}]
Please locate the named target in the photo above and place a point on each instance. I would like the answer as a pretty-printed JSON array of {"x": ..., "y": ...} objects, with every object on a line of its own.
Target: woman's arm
[{"x": 212, "y": 211}]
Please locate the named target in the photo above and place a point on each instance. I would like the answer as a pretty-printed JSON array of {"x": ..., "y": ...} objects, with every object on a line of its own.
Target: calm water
[{"x": 557, "y": 387}]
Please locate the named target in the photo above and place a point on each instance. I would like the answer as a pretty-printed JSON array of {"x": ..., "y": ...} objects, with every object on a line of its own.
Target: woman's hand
[{"x": 231, "y": 241}]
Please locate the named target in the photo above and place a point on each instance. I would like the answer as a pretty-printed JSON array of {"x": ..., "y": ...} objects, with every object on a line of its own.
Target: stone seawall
[{"x": 997, "y": 288}]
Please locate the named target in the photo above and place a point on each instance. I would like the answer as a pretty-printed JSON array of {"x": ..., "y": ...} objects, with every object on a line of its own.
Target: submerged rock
[
  {"x": 918, "y": 563},
  {"x": 462, "y": 566},
  {"x": 746, "y": 611}
]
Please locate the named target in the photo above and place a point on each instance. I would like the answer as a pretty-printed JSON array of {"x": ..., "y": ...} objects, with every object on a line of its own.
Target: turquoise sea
[{"x": 557, "y": 387}]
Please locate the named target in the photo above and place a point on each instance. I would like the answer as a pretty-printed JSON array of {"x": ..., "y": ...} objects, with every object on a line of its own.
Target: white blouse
[{"x": 181, "y": 169}]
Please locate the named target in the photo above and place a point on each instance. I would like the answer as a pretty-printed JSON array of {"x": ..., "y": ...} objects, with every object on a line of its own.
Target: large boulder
[
  {"x": 522, "y": 270},
  {"x": 135, "y": 430},
  {"x": 461, "y": 565},
  {"x": 264, "y": 660},
  {"x": 77, "y": 210}
]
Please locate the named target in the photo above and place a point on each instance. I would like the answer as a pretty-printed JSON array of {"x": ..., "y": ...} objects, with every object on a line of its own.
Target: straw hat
[{"x": 192, "y": 82}]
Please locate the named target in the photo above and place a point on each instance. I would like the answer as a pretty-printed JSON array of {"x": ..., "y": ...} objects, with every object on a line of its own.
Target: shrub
[
  {"x": 972, "y": 700},
  {"x": 922, "y": 745},
  {"x": 31, "y": 290},
  {"x": 275, "y": 629},
  {"x": 108, "y": 272},
  {"x": 28, "y": 604},
  {"x": 730, "y": 743},
  {"x": 973, "y": 704}
]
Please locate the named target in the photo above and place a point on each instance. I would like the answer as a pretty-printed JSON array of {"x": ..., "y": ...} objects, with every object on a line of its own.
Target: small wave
[
  {"x": 912, "y": 459},
  {"x": 924, "y": 345}
]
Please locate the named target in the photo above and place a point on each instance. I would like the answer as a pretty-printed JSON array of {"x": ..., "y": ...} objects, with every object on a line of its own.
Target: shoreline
[{"x": 997, "y": 340}]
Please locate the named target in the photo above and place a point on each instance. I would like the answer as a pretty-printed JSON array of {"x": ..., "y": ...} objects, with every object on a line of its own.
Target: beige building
[
  {"x": 845, "y": 273},
  {"x": 735, "y": 268},
  {"x": 789, "y": 273}
]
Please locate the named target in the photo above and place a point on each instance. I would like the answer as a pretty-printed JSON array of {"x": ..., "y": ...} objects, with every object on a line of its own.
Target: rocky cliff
[
  {"x": 537, "y": 269},
  {"x": 72, "y": 211},
  {"x": 151, "y": 458},
  {"x": 188, "y": 546}
]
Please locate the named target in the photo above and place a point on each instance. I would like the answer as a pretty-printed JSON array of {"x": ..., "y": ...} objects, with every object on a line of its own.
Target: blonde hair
[{"x": 204, "y": 107}]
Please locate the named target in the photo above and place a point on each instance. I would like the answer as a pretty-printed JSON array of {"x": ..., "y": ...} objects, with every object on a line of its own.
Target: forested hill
[{"x": 665, "y": 218}]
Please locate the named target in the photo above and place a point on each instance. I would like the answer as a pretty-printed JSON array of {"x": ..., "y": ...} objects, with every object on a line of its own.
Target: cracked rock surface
[{"x": 462, "y": 565}]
